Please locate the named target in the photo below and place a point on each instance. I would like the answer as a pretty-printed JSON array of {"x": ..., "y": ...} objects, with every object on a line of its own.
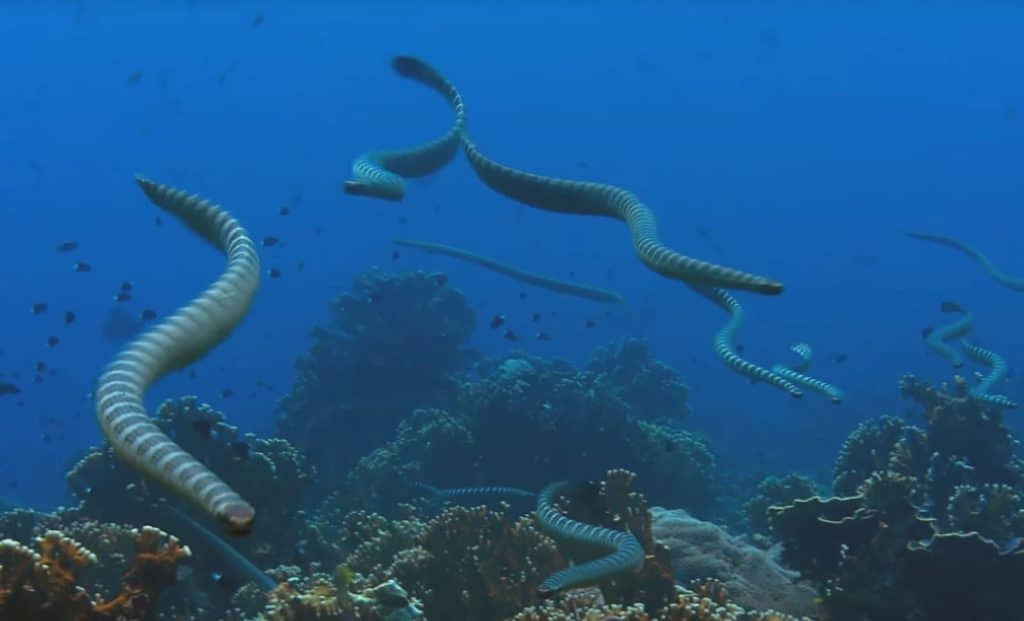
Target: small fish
[
  {"x": 203, "y": 427},
  {"x": 510, "y": 336},
  {"x": 192, "y": 374},
  {"x": 9, "y": 389},
  {"x": 840, "y": 358},
  {"x": 47, "y": 438},
  {"x": 590, "y": 323},
  {"x": 69, "y": 317},
  {"x": 522, "y": 295},
  {"x": 269, "y": 241},
  {"x": 81, "y": 266},
  {"x": 543, "y": 336},
  {"x": 40, "y": 366},
  {"x": 147, "y": 314},
  {"x": 395, "y": 255},
  {"x": 951, "y": 307},
  {"x": 535, "y": 317},
  {"x": 122, "y": 296},
  {"x": 135, "y": 76},
  {"x": 127, "y": 285},
  {"x": 497, "y": 321},
  {"x": 227, "y": 393},
  {"x": 257, "y": 21},
  {"x": 284, "y": 211},
  {"x": 67, "y": 246},
  {"x": 52, "y": 341},
  {"x": 37, "y": 379},
  {"x": 926, "y": 332},
  {"x": 274, "y": 272},
  {"x": 158, "y": 221}
]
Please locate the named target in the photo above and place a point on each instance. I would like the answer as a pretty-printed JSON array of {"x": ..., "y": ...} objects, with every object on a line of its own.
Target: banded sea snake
[
  {"x": 1011, "y": 282},
  {"x": 175, "y": 342}
]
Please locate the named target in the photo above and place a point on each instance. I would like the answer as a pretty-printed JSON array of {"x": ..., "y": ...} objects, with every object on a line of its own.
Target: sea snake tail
[
  {"x": 177, "y": 341},
  {"x": 551, "y": 284},
  {"x": 726, "y": 335},
  {"x": 937, "y": 338},
  {"x": 627, "y": 552},
  {"x": 470, "y": 492},
  {"x": 1011, "y": 282},
  {"x": 797, "y": 373},
  {"x": 380, "y": 173},
  {"x": 242, "y": 568},
  {"x": 997, "y": 371}
]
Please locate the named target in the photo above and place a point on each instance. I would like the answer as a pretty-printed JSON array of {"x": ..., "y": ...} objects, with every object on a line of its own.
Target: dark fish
[
  {"x": 203, "y": 427},
  {"x": 147, "y": 315},
  {"x": 122, "y": 296},
  {"x": 40, "y": 366},
  {"x": 926, "y": 332},
  {"x": 274, "y": 272},
  {"x": 241, "y": 448},
  {"x": 52, "y": 341},
  {"x": 535, "y": 317},
  {"x": 951, "y": 307},
  {"x": 395, "y": 255},
  {"x": 840, "y": 358},
  {"x": 224, "y": 582},
  {"x": 67, "y": 246},
  {"x": 227, "y": 393},
  {"x": 543, "y": 336},
  {"x": 510, "y": 335},
  {"x": 192, "y": 374},
  {"x": 590, "y": 323},
  {"x": 135, "y": 76},
  {"x": 9, "y": 389},
  {"x": 69, "y": 317},
  {"x": 127, "y": 285},
  {"x": 269, "y": 241},
  {"x": 158, "y": 221},
  {"x": 47, "y": 438},
  {"x": 284, "y": 211},
  {"x": 497, "y": 321},
  {"x": 257, "y": 21},
  {"x": 37, "y": 308},
  {"x": 81, "y": 266},
  {"x": 522, "y": 295},
  {"x": 440, "y": 279}
]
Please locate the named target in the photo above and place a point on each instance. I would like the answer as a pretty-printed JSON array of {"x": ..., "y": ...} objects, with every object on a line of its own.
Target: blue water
[{"x": 804, "y": 137}]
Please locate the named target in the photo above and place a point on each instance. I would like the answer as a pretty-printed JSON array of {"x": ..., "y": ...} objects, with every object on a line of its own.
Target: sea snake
[
  {"x": 627, "y": 552},
  {"x": 234, "y": 561},
  {"x": 997, "y": 371},
  {"x": 1012, "y": 282},
  {"x": 936, "y": 339},
  {"x": 551, "y": 194},
  {"x": 796, "y": 372},
  {"x": 470, "y": 492},
  {"x": 726, "y": 335},
  {"x": 380, "y": 173},
  {"x": 174, "y": 343},
  {"x": 552, "y": 284}
]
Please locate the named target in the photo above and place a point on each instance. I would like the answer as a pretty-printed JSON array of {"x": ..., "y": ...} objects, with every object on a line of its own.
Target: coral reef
[
  {"x": 652, "y": 389},
  {"x": 773, "y": 491}
]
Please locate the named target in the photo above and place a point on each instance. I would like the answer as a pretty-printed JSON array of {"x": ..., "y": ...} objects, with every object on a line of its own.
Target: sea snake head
[{"x": 238, "y": 518}]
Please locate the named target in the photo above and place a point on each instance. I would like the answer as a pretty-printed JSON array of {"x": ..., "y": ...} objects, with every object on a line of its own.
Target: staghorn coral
[
  {"x": 45, "y": 585},
  {"x": 390, "y": 330}
]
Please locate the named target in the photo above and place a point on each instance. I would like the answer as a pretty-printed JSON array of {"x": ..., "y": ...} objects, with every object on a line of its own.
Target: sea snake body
[
  {"x": 797, "y": 373},
  {"x": 1012, "y": 282},
  {"x": 627, "y": 552},
  {"x": 241, "y": 567},
  {"x": 557, "y": 195},
  {"x": 470, "y": 492},
  {"x": 174, "y": 343},
  {"x": 937, "y": 338},
  {"x": 551, "y": 284},
  {"x": 997, "y": 371},
  {"x": 725, "y": 336},
  {"x": 379, "y": 173}
]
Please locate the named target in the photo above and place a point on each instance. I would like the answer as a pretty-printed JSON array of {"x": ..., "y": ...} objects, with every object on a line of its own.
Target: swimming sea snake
[
  {"x": 470, "y": 492},
  {"x": 1012, "y": 282},
  {"x": 937, "y": 338},
  {"x": 551, "y": 284},
  {"x": 174, "y": 343},
  {"x": 379, "y": 173},
  {"x": 376, "y": 177},
  {"x": 726, "y": 335},
  {"x": 234, "y": 561},
  {"x": 997, "y": 371},
  {"x": 797, "y": 373},
  {"x": 627, "y": 552}
]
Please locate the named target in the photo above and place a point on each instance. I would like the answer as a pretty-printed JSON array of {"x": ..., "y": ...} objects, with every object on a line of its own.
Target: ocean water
[{"x": 797, "y": 140}]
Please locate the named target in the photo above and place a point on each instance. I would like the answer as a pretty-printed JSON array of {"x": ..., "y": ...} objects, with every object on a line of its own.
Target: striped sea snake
[
  {"x": 377, "y": 177},
  {"x": 241, "y": 568},
  {"x": 936, "y": 339},
  {"x": 997, "y": 371},
  {"x": 796, "y": 372},
  {"x": 380, "y": 173},
  {"x": 1012, "y": 282},
  {"x": 459, "y": 493},
  {"x": 551, "y": 284},
  {"x": 627, "y": 554},
  {"x": 726, "y": 335},
  {"x": 177, "y": 341}
]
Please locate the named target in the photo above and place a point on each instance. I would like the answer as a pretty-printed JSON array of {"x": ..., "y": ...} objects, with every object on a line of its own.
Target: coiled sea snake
[
  {"x": 796, "y": 372},
  {"x": 1012, "y": 282},
  {"x": 936, "y": 339},
  {"x": 376, "y": 176},
  {"x": 726, "y": 335},
  {"x": 174, "y": 343},
  {"x": 627, "y": 554},
  {"x": 380, "y": 173},
  {"x": 997, "y": 371},
  {"x": 551, "y": 284}
]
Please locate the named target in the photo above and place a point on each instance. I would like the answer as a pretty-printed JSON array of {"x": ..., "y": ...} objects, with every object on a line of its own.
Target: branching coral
[
  {"x": 775, "y": 491},
  {"x": 652, "y": 389}
]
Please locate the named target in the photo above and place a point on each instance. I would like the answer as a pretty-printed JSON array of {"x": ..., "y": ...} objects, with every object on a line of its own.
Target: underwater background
[{"x": 797, "y": 140}]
